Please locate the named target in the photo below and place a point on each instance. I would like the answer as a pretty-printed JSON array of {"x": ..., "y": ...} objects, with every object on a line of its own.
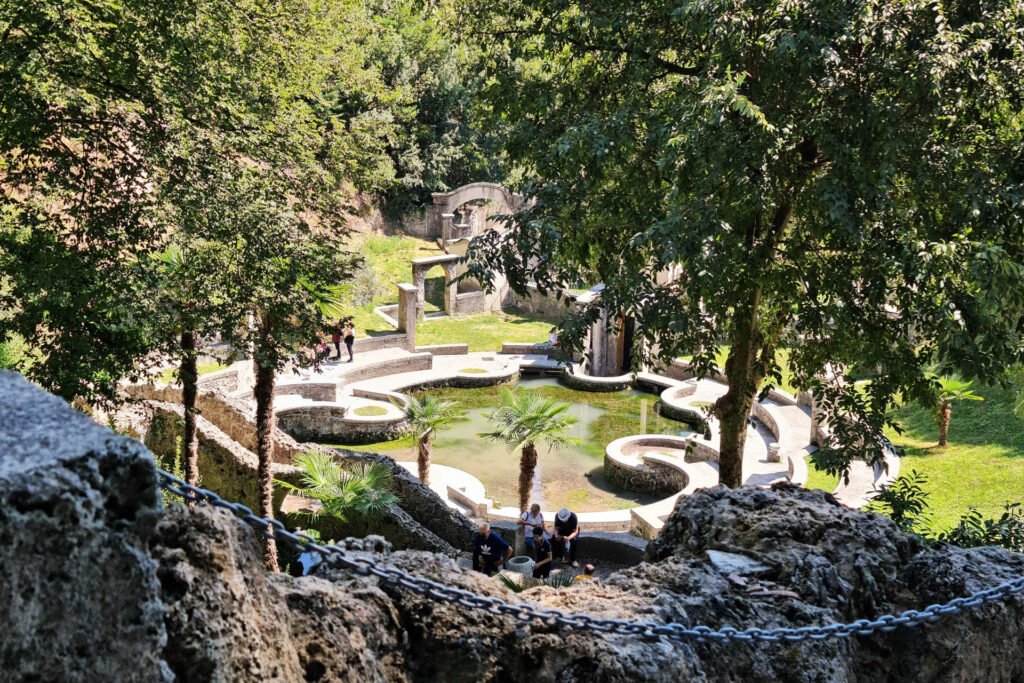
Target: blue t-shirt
[{"x": 490, "y": 548}]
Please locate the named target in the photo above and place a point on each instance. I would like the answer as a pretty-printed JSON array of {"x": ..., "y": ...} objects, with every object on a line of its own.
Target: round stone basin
[{"x": 570, "y": 477}]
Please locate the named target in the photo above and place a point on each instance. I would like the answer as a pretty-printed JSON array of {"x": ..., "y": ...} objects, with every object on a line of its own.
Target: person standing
[
  {"x": 489, "y": 550},
  {"x": 541, "y": 554},
  {"x": 532, "y": 519},
  {"x": 336, "y": 340},
  {"x": 566, "y": 537},
  {"x": 350, "y": 339}
]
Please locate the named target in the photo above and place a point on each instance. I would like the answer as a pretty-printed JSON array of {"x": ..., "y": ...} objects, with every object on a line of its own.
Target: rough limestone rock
[
  {"x": 78, "y": 588},
  {"x": 105, "y": 583}
]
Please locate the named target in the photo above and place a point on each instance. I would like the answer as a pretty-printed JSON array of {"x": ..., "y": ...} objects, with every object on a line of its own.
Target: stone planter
[{"x": 521, "y": 564}]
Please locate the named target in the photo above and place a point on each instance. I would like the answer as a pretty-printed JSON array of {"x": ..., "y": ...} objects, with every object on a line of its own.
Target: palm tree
[
  {"x": 342, "y": 491},
  {"x": 275, "y": 327},
  {"x": 523, "y": 420},
  {"x": 428, "y": 416},
  {"x": 951, "y": 389},
  {"x": 185, "y": 299}
]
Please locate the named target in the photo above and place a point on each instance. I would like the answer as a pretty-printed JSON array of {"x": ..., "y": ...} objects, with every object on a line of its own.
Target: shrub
[{"x": 906, "y": 503}]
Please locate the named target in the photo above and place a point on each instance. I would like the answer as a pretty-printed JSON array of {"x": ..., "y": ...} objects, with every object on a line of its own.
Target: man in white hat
[{"x": 567, "y": 534}]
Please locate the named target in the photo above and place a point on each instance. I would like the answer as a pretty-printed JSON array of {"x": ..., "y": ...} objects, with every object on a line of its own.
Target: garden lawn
[
  {"x": 387, "y": 264},
  {"x": 781, "y": 357},
  {"x": 983, "y": 465},
  {"x": 818, "y": 479},
  {"x": 171, "y": 374},
  {"x": 482, "y": 332}
]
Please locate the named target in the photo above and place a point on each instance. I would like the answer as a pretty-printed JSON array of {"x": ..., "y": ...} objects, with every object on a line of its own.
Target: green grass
[
  {"x": 781, "y": 357},
  {"x": 482, "y": 332},
  {"x": 370, "y": 411},
  {"x": 983, "y": 465},
  {"x": 170, "y": 374},
  {"x": 387, "y": 264},
  {"x": 817, "y": 479}
]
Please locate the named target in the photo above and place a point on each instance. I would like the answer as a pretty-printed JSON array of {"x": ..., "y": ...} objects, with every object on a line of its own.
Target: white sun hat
[{"x": 563, "y": 514}]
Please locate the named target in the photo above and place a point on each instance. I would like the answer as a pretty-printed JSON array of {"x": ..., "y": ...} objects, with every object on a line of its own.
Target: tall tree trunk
[
  {"x": 745, "y": 366},
  {"x": 423, "y": 459},
  {"x": 743, "y": 379},
  {"x": 264, "y": 394},
  {"x": 945, "y": 414},
  {"x": 189, "y": 389},
  {"x": 527, "y": 466}
]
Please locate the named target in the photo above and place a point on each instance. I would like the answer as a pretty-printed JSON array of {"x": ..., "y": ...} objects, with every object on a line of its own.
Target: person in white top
[
  {"x": 553, "y": 337},
  {"x": 529, "y": 520}
]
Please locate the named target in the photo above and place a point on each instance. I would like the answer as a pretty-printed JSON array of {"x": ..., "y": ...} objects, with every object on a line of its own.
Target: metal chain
[{"x": 526, "y": 612}]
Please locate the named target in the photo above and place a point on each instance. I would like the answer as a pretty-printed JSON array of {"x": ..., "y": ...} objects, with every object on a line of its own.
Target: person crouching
[{"x": 541, "y": 554}]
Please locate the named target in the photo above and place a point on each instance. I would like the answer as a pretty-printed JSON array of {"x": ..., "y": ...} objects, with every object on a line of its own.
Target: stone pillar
[
  {"x": 815, "y": 422},
  {"x": 446, "y": 230},
  {"x": 451, "y": 289},
  {"x": 407, "y": 303},
  {"x": 419, "y": 277},
  {"x": 773, "y": 453},
  {"x": 599, "y": 346}
]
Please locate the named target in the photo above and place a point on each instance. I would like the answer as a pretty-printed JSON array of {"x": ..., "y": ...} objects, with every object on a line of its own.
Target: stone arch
[
  {"x": 445, "y": 204},
  {"x": 420, "y": 268}
]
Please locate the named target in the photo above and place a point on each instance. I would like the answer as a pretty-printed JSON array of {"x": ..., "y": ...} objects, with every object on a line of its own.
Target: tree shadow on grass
[{"x": 974, "y": 424}]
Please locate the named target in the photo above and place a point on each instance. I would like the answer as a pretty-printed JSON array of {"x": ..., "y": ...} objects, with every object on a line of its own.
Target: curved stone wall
[
  {"x": 673, "y": 404},
  {"x": 313, "y": 391},
  {"x": 655, "y": 480},
  {"x": 574, "y": 379}
]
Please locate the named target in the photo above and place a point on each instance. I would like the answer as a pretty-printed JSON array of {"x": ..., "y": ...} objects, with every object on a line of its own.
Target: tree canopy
[
  {"x": 839, "y": 177},
  {"x": 125, "y": 126}
]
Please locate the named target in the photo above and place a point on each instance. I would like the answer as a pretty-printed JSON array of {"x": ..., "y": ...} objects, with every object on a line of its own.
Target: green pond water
[{"x": 572, "y": 476}]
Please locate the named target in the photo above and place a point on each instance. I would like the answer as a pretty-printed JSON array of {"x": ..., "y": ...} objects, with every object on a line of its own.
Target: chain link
[{"x": 525, "y": 612}]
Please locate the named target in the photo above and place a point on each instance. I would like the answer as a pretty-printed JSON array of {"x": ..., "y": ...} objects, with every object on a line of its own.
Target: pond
[{"x": 573, "y": 476}]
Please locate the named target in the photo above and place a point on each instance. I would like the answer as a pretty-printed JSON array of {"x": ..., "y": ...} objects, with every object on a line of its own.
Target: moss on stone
[{"x": 370, "y": 411}]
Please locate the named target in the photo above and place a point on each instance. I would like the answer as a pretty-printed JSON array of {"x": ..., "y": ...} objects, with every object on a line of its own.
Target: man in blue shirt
[{"x": 489, "y": 550}]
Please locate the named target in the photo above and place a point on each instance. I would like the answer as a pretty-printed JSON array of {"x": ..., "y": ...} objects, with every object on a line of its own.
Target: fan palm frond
[
  {"x": 340, "y": 490},
  {"x": 428, "y": 415},
  {"x": 525, "y": 417}
]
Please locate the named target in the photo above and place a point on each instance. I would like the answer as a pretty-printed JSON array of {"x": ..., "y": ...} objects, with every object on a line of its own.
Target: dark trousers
[
  {"x": 485, "y": 565},
  {"x": 348, "y": 345},
  {"x": 337, "y": 347},
  {"x": 543, "y": 571},
  {"x": 558, "y": 548}
]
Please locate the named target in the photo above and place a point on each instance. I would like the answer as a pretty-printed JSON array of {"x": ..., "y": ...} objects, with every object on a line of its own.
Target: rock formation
[{"x": 102, "y": 581}]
